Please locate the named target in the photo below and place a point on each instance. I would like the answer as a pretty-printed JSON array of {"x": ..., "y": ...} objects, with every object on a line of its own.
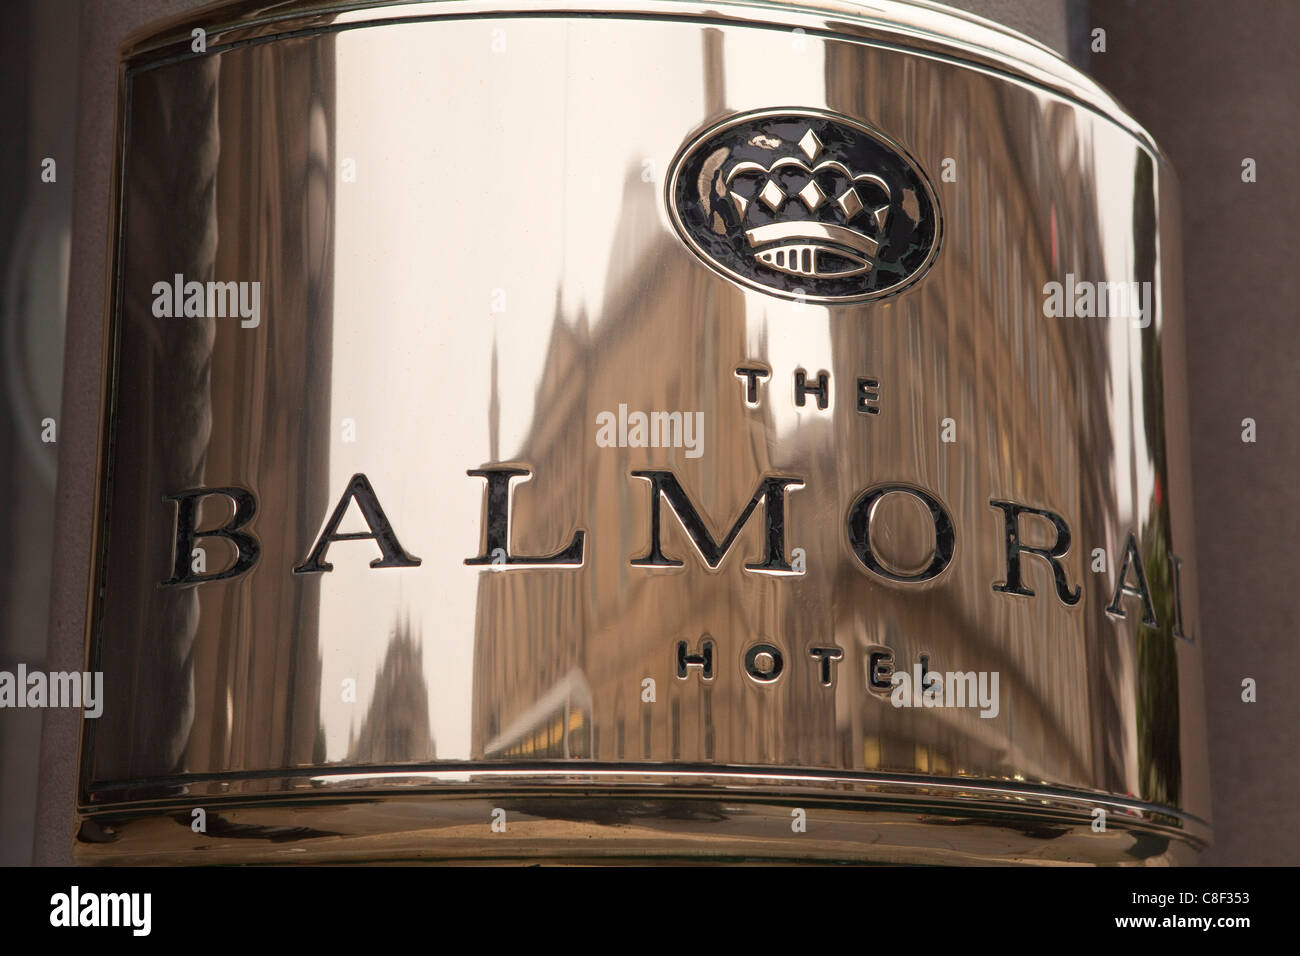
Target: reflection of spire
[
  {"x": 494, "y": 408},
  {"x": 715, "y": 77},
  {"x": 396, "y": 728}
]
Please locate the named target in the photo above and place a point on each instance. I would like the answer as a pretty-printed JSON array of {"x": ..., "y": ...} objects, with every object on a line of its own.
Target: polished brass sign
[{"x": 741, "y": 431}]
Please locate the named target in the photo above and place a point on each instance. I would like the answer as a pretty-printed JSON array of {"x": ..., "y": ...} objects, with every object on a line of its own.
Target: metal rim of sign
[{"x": 931, "y": 31}]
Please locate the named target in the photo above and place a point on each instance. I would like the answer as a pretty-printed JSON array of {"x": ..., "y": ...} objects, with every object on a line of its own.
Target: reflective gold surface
[{"x": 504, "y": 268}]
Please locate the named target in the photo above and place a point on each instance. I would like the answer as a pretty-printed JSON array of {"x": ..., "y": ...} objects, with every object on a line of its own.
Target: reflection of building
[
  {"x": 396, "y": 726},
  {"x": 242, "y": 666},
  {"x": 1031, "y": 401}
]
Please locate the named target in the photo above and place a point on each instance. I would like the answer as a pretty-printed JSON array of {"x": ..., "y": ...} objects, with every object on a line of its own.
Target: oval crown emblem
[{"x": 805, "y": 205}]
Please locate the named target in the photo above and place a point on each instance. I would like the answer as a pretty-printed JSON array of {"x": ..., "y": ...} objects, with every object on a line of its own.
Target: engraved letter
[
  {"x": 771, "y": 491},
  {"x": 1131, "y": 556},
  {"x": 497, "y": 527},
  {"x": 703, "y": 660},
  {"x": 1011, "y": 513},
  {"x": 380, "y": 530},
  {"x": 945, "y": 535},
  {"x": 187, "y": 513}
]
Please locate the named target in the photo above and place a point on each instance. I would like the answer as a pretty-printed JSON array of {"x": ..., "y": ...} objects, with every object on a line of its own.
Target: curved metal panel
[{"x": 442, "y": 476}]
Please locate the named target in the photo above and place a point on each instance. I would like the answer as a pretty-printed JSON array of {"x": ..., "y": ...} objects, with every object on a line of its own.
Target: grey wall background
[
  {"x": 38, "y": 74},
  {"x": 1214, "y": 82}
]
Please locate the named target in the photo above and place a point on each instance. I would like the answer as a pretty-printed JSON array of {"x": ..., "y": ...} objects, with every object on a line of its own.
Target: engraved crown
[{"x": 806, "y": 213}]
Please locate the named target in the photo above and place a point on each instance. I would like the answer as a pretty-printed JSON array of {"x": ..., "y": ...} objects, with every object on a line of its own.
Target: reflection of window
[
  {"x": 556, "y": 725},
  {"x": 562, "y": 733}
]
